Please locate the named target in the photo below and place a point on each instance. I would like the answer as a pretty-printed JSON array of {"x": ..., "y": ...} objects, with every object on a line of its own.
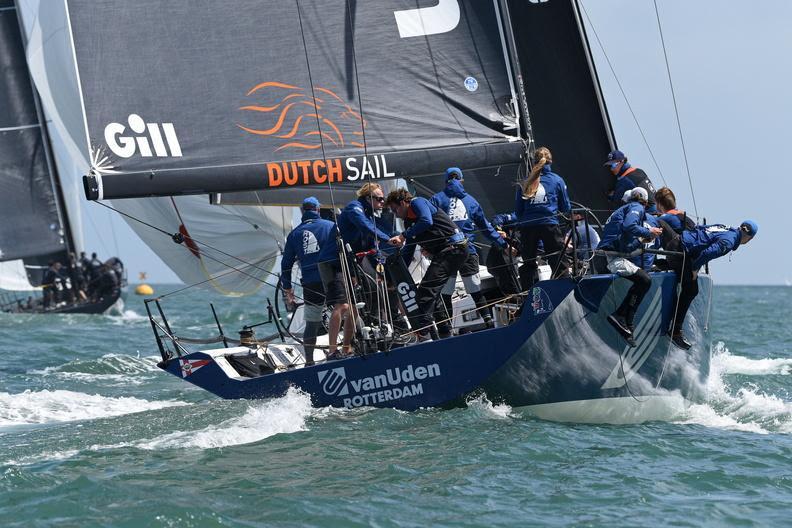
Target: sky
[{"x": 731, "y": 74}]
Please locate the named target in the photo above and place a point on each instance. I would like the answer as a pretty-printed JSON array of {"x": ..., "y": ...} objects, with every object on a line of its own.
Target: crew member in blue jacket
[
  {"x": 701, "y": 245},
  {"x": 467, "y": 214},
  {"x": 645, "y": 260},
  {"x": 628, "y": 177},
  {"x": 443, "y": 241},
  {"x": 538, "y": 201},
  {"x": 677, "y": 220},
  {"x": 308, "y": 244},
  {"x": 624, "y": 232}
]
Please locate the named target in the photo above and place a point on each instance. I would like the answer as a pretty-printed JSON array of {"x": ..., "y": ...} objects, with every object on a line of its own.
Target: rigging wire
[
  {"x": 623, "y": 93},
  {"x": 676, "y": 109}
]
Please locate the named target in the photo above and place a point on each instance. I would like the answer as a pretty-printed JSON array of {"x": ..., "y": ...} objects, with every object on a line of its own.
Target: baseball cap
[
  {"x": 750, "y": 227},
  {"x": 454, "y": 173},
  {"x": 627, "y": 196},
  {"x": 615, "y": 155},
  {"x": 310, "y": 203},
  {"x": 639, "y": 193}
]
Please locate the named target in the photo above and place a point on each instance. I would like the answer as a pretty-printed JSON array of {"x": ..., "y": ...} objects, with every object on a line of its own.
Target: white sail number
[{"x": 441, "y": 18}]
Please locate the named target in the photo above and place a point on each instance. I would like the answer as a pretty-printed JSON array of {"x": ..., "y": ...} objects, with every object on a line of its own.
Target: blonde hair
[
  {"x": 543, "y": 156},
  {"x": 368, "y": 189}
]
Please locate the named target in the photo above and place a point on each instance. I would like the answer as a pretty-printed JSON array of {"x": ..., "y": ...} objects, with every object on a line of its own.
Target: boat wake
[
  {"x": 117, "y": 369},
  {"x": 262, "y": 420},
  {"x": 44, "y": 407},
  {"x": 748, "y": 407}
]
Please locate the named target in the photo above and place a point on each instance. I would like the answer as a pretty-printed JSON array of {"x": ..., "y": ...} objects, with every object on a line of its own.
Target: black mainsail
[
  {"x": 33, "y": 226},
  {"x": 563, "y": 97},
  {"x": 299, "y": 93}
]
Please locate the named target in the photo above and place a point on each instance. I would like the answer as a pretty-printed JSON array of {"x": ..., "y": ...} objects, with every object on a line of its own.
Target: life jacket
[
  {"x": 442, "y": 234},
  {"x": 639, "y": 179}
]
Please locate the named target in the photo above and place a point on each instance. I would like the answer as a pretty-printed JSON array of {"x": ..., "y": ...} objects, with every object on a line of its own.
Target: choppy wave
[
  {"x": 107, "y": 364},
  {"x": 481, "y": 406},
  {"x": 731, "y": 364},
  {"x": 746, "y": 408},
  {"x": 282, "y": 415},
  {"x": 42, "y": 407}
]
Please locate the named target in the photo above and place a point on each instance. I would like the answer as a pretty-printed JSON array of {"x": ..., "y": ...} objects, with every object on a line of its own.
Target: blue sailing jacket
[
  {"x": 311, "y": 242},
  {"x": 646, "y": 261},
  {"x": 708, "y": 242},
  {"x": 624, "y": 228},
  {"x": 357, "y": 227},
  {"x": 551, "y": 197},
  {"x": 466, "y": 213}
]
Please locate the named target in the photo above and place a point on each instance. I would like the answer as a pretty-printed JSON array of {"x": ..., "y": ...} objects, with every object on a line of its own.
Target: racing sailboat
[
  {"x": 39, "y": 219},
  {"x": 337, "y": 93}
]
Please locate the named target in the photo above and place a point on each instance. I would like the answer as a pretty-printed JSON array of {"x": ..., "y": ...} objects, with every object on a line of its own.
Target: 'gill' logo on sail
[
  {"x": 149, "y": 139},
  {"x": 408, "y": 296}
]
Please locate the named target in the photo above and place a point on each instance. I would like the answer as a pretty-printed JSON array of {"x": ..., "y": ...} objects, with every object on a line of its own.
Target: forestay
[{"x": 220, "y": 98}]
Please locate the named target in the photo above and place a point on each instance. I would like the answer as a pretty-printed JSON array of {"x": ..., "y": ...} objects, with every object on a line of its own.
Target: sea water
[{"x": 92, "y": 433}]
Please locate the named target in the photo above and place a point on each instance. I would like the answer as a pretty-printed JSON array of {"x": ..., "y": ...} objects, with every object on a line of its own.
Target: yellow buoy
[{"x": 144, "y": 289}]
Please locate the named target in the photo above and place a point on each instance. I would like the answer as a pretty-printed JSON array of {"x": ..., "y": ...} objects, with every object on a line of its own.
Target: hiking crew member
[
  {"x": 537, "y": 203},
  {"x": 305, "y": 244},
  {"x": 442, "y": 240},
  {"x": 666, "y": 206},
  {"x": 623, "y": 233},
  {"x": 628, "y": 177},
  {"x": 646, "y": 260},
  {"x": 466, "y": 213},
  {"x": 701, "y": 245}
]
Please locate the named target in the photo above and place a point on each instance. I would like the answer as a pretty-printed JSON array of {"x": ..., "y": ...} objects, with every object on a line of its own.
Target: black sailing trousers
[
  {"x": 444, "y": 265},
  {"x": 641, "y": 283},
  {"x": 686, "y": 278},
  {"x": 552, "y": 239}
]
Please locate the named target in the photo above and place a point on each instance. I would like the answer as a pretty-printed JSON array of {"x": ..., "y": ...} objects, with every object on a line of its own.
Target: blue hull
[{"x": 561, "y": 350}]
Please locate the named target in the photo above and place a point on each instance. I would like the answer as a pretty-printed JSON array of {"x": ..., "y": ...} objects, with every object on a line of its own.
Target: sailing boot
[
  {"x": 483, "y": 309},
  {"x": 679, "y": 339}
]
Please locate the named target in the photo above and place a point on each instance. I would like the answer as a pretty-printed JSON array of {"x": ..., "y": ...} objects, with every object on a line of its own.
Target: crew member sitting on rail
[
  {"x": 628, "y": 177},
  {"x": 645, "y": 260},
  {"x": 623, "y": 233},
  {"x": 666, "y": 206},
  {"x": 701, "y": 245},
  {"x": 538, "y": 201},
  {"x": 468, "y": 215},
  {"x": 306, "y": 245},
  {"x": 445, "y": 244}
]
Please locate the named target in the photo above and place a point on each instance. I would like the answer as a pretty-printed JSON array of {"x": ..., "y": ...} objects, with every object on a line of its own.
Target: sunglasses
[{"x": 379, "y": 199}]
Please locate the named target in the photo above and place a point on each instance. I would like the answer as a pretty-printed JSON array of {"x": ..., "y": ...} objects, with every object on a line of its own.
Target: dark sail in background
[
  {"x": 561, "y": 88},
  {"x": 31, "y": 225},
  {"x": 177, "y": 106}
]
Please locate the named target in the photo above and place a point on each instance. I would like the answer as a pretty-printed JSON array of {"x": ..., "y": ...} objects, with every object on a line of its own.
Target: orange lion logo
[{"x": 294, "y": 109}]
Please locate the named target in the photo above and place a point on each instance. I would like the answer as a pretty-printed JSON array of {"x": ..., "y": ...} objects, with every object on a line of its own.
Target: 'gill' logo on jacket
[{"x": 149, "y": 136}]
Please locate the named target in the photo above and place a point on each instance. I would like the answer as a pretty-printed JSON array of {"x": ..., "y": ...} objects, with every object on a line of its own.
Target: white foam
[
  {"x": 483, "y": 407},
  {"x": 748, "y": 408},
  {"x": 727, "y": 363},
  {"x": 283, "y": 415},
  {"x": 41, "y": 407}
]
